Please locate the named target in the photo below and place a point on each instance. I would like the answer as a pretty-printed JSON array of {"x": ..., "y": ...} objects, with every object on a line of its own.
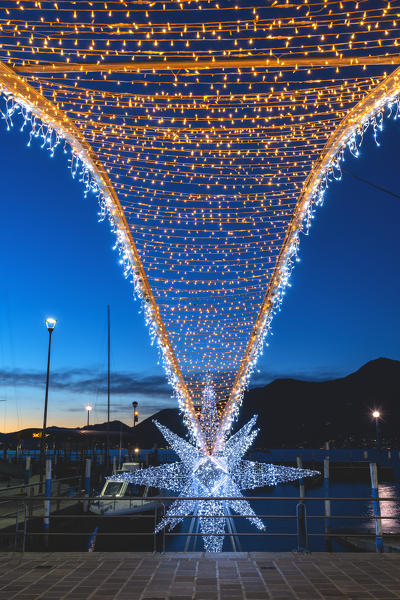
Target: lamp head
[
  {"x": 376, "y": 414},
  {"x": 51, "y": 323},
  {"x": 89, "y": 407}
]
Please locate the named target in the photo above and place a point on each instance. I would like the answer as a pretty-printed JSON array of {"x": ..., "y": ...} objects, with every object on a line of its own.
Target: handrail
[
  {"x": 159, "y": 538},
  {"x": 26, "y": 485},
  {"x": 221, "y": 498},
  {"x": 193, "y": 516}
]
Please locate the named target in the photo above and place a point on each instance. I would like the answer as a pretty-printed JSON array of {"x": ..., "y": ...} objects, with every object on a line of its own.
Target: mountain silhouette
[
  {"x": 297, "y": 413},
  {"x": 292, "y": 412}
]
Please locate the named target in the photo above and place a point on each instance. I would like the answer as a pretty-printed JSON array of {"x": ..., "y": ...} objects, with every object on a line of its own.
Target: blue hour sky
[{"x": 58, "y": 260}]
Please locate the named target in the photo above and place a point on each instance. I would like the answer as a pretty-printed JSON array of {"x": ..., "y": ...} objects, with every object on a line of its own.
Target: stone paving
[{"x": 241, "y": 576}]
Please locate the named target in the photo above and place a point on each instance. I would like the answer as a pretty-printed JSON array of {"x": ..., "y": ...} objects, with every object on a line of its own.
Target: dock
[{"x": 179, "y": 576}]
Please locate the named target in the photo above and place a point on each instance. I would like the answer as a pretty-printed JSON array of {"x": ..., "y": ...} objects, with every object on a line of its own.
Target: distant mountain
[
  {"x": 146, "y": 434},
  {"x": 309, "y": 413},
  {"x": 292, "y": 412},
  {"x": 116, "y": 426}
]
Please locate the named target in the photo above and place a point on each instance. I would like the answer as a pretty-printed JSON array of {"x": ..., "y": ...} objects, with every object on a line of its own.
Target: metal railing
[{"x": 28, "y": 528}]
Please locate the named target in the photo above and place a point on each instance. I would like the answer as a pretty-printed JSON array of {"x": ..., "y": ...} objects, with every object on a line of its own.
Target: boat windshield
[
  {"x": 112, "y": 488},
  {"x": 134, "y": 490}
]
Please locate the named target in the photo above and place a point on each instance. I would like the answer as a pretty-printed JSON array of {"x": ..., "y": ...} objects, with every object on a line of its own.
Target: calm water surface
[{"x": 286, "y": 510}]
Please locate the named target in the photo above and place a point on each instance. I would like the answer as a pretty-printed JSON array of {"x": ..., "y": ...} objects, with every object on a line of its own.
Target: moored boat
[{"x": 124, "y": 498}]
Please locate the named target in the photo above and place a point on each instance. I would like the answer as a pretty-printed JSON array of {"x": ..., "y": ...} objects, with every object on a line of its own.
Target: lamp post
[
  {"x": 50, "y": 324},
  {"x": 135, "y": 413},
  {"x": 88, "y": 407},
  {"x": 377, "y": 415}
]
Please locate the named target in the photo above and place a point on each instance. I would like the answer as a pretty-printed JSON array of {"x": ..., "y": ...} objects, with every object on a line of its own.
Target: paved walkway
[{"x": 253, "y": 576}]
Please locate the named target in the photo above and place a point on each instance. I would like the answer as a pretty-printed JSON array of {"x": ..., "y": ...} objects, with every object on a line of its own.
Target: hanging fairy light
[{"x": 208, "y": 140}]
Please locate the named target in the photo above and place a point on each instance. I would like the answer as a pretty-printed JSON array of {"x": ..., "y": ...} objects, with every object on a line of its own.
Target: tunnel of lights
[{"x": 209, "y": 133}]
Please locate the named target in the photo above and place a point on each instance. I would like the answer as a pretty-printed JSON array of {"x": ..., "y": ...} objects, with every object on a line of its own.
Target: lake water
[
  {"x": 287, "y": 508},
  {"x": 349, "y": 480},
  {"x": 112, "y": 541}
]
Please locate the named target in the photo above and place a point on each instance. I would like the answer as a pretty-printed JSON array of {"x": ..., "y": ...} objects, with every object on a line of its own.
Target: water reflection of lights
[{"x": 389, "y": 509}]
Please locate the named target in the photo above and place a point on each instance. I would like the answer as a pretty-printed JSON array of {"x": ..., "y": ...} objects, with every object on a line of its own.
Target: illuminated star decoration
[{"x": 202, "y": 475}]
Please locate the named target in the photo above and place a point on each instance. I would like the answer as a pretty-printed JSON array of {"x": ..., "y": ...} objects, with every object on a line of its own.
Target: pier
[{"x": 240, "y": 576}]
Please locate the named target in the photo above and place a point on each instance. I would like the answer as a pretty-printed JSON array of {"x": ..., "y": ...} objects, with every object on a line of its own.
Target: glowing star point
[{"x": 205, "y": 477}]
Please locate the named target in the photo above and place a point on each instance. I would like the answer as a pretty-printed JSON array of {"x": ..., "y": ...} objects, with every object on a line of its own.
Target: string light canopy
[{"x": 209, "y": 131}]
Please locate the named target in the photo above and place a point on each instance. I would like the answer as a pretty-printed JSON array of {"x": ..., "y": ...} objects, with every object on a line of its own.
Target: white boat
[{"x": 140, "y": 496}]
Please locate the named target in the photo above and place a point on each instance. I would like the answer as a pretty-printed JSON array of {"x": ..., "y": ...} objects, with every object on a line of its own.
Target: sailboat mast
[
  {"x": 108, "y": 366},
  {"x": 107, "y": 462}
]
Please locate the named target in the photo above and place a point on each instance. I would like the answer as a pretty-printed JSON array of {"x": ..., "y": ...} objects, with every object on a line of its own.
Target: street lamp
[
  {"x": 88, "y": 407},
  {"x": 50, "y": 324},
  {"x": 377, "y": 415}
]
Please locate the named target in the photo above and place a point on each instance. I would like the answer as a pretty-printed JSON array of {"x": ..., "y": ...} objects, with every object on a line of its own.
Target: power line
[{"x": 377, "y": 187}]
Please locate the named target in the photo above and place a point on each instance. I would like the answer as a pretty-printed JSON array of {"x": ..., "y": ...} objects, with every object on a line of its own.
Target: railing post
[
  {"x": 163, "y": 530},
  {"x": 302, "y": 541},
  {"x": 302, "y": 537},
  {"x": 88, "y": 463},
  {"x": 27, "y": 473},
  {"x": 327, "y": 503},
  {"x": 32, "y": 493},
  {"x": 16, "y": 526},
  {"x": 301, "y": 480},
  {"x": 92, "y": 539},
  {"x": 25, "y": 527},
  {"x": 114, "y": 464},
  {"x": 46, "y": 520},
  {"x": 58, "y": 492},
  {"x": 154, "y": 530},
  {"x": 376, "y": 506}
]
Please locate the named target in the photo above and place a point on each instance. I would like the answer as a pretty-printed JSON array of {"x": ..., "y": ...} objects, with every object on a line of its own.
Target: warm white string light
[
  {"x": 213, "y": 465},
  {"x": 50, "y": 139}
]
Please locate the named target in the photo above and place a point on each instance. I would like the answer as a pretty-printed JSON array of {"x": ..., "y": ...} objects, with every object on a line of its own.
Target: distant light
[
  {"x": 136, "y": 450},
  {"x": 51, "y": 323},
  {"x": 89, "y": 407},
  {"x": 376, "y": 414}
]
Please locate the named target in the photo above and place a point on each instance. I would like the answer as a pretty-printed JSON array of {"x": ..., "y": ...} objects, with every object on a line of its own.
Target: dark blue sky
[{"x": 57, "y": 260}]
